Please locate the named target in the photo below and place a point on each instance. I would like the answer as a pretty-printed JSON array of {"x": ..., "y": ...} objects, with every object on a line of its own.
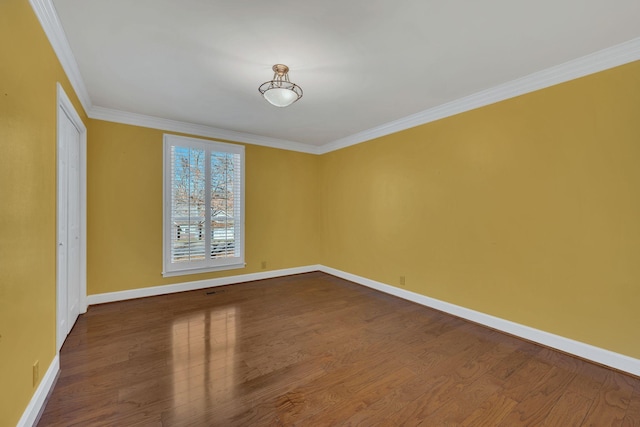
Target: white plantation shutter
[{"x": 203, "y": 205}]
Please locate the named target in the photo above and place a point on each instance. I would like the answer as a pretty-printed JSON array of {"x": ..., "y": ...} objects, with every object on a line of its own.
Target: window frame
[{"x": 169, "y": 268}]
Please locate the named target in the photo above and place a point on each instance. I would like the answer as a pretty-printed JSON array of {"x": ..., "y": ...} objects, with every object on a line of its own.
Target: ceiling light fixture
[{"x": 280, "y": 91}]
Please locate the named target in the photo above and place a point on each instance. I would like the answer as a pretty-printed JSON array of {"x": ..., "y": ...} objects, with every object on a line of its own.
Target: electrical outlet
[
  {"x": 263, "y": 265},
  {"x": 36, "y": 372},
  {"x": 401, "y": 280}
]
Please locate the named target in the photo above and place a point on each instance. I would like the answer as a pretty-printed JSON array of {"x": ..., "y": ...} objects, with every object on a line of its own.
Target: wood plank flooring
[{"x": 316, "y": 350}]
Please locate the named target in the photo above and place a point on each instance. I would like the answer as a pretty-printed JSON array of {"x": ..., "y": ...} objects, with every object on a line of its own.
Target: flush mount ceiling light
[{"x": 280, "y": 91}]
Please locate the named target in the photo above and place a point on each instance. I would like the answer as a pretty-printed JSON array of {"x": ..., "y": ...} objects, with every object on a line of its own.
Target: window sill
[{"x": 186, "y": 272}]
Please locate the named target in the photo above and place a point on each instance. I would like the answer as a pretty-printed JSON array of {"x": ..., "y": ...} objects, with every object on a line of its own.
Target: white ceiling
[{"x": 361, "y": 63}]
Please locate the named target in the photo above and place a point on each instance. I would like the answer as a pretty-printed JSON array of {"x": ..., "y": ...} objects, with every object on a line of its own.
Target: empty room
[{"x": 319, "y": 213}]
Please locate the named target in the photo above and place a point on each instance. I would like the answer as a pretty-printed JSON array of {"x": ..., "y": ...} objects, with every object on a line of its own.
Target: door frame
[{"x": 65, "y": 108}]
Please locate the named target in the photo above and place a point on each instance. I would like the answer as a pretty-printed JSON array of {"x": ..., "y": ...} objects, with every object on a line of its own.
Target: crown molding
[
  {"x": 48, "y": 17},
  {"x": 117, "y": 116},
  {"x": 598, "y": 61}
]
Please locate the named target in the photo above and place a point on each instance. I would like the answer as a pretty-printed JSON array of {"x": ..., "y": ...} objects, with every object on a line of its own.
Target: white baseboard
[
  {"x": 36, "y": 405},
  {"x": 567, "y": 345},
  {"x": 191, "y": 286},
  {"x": 576, "y": 348}
]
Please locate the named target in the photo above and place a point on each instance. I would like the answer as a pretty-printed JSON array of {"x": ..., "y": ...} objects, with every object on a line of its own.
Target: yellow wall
[
  {"x": 124, "y": 250},
  {"x": 29, "y": 71},
  {"x": 528, "y": 209}
]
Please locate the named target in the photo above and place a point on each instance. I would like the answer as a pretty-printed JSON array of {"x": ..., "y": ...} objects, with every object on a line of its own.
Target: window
[{"x": 203, "y": 206}]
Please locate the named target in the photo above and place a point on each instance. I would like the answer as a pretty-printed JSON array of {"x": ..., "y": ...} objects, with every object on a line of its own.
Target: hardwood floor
[{"x": 316, "y": 350}]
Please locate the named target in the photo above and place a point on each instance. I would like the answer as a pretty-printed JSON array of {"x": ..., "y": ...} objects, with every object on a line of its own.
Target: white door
[{"x": 70, "y": 200}]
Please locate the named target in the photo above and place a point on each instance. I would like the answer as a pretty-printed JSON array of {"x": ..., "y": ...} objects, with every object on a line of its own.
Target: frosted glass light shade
[
  {"x": 280, "y": 97},
  {"x": 280, "y": 92}
]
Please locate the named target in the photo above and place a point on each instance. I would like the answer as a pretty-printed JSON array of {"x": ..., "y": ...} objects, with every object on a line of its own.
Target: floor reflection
[{"x": 203, "y": 350}]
